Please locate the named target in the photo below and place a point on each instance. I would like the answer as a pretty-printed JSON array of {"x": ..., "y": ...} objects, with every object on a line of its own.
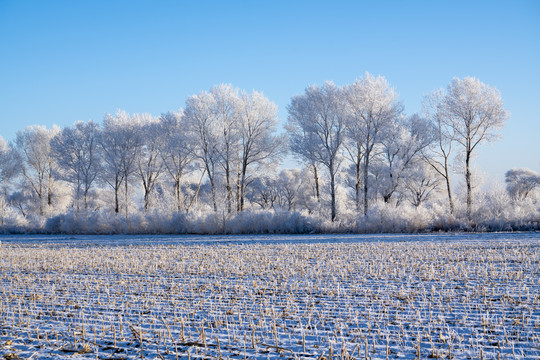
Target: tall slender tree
[
  {"x": 372, "y": 106},
  {"x": 201, "y": 124},
  {"x": 475, "y": 113},
  {"x": 257, "y": 118},
  {"x": 76, "y": 151},
  {"x": 149, "y": 160},
  {"x": 402, "y": 146},
  {"x": 317, "y": 130},
  {"x": 438, "y": 155},
  {"x": 224, "y": 110},
  {"x": 177, "y": 150},
  {"x": 120, "y": 144},
  {"x": 38, "y": 163},
  {"x": 9, "y": 171}
]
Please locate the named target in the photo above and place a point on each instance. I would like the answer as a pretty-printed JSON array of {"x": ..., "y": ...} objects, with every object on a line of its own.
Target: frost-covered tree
[
  {"x": 520, "y": 183},
  {"x": 264, "y": 191},
  {"x": 372, "y": 106},
  {"x": 120, "y": 144},
  {"x": 317, "y": 129},
  {"x": 77, "y": 154},
  {"x": 149, "y": 164},
  {"x": 234, "y": 135},
  {"x": 438, "y": 154},
  {"x": 177, "y": 150},
  {"x": 475, "y": 112},
  {"x": 257, "y": 121},
  {"x": 38, "y": 163},
  {"x": 401, "y": 148},
  {"x": 421, "y": 183},
  {"x": 224, "y": 110},
  {"x": 289, "y": 183},
  {"x": 9, "y": 165},
  {"x": 355, "y": 152},
  {"x": 9, "y": 171},
  {"x": 202, "y": 124},
  {"x": 302, "y": 145}
]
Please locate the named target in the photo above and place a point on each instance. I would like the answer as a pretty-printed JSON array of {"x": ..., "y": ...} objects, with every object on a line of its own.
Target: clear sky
[{"x": 62, "y": 61}]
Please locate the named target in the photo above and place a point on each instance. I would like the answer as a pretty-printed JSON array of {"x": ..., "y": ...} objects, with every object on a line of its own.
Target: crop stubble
[{"x": 362, "y": 300}]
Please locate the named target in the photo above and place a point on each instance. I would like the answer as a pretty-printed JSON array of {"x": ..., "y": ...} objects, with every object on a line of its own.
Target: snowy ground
[{"x": 341, "y": 296}]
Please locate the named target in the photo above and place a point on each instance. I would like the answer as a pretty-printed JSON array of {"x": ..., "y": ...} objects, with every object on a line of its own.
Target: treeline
[{"x": 214, "y": 166}]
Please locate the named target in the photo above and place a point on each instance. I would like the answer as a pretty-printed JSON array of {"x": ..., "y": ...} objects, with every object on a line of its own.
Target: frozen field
[{"x": 269, "y": 297}]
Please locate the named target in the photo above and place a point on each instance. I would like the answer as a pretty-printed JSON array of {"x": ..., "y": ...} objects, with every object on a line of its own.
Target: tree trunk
[
  {"x": 212, "y": 186},
  {"x": 317, "y": 191},
  {"x": 358, "y": 185},
  {"x": 468, "y": 180},
  {"x": 146, "y": 199},
  {"x": 388, "y": 195},
  {"x": 49, "y": 192},
  {"x": 239, "y": 193},
  {"x": 242, "y": 190},
  {"x": 332, "y": 191},
  {"x": 197, "y": 194},
  {"x": 126, "y": 193},
  {"x": 86, "y": 197},
  {"x": 366, "y": 166},
  {"x": 78, "y": 200},
  {"x": 448, "y": 187},
  {"x": 3, "y": 211},
  {"x": 178, "y": 190},
  {"x": 4, "y": 203},
  {"x": 228, "y": 186},
  {"x": 40, "y": 199},
  {"x": 116, "y": 195},
  {"x": 243, "y": 184}
]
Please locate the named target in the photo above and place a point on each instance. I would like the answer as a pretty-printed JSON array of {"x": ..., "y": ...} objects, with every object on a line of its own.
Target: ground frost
[{"x": 362, "y": 300}]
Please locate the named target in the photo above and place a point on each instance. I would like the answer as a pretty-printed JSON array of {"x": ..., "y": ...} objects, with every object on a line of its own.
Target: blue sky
[{"x": 62, "y": 61}]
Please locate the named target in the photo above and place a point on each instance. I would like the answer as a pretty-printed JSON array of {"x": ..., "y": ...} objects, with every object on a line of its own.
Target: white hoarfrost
[{"x": 377, "y": 297}]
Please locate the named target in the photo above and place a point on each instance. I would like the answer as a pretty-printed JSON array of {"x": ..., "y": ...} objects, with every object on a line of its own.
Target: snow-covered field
[{"x": 313, "y": 296}]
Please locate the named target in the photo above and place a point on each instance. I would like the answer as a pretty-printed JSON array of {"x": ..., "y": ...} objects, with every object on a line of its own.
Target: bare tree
[
  {"x": 264, "y": 191},
  {"x": 302, "y": 145},
  {"x": 9, "y": 170},
  {"x": 76, "y": 151},
  {"x": 38, "y": 163},
  {"x": 475, "y": 112},
  {"x": 202, "y": 126},
  {"x": 354, "y": 147},
  {"x": 402, "y": 144},
  {"x": 149, "y": 160},
  {"x": 438, "y": 154},
  {"x": 317, "y": 129},
  {"x": 233, "y": 132},
  {"x": 257, "y": 118},
  {"x": 289, "y": 184},
  {"x": 120, "y": 144},
  {"x": 372, "y": 106},
  {"x": 9, "y": 165},
  {"x": 225, "y": 101},
  {"x": 422, "y": 181},
  {"x": 177, "y": 150},
  {"x": 520, "y": 183}
]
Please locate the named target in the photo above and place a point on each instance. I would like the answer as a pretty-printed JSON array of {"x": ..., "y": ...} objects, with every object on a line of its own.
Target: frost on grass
[{"x": 356, "y": 299}]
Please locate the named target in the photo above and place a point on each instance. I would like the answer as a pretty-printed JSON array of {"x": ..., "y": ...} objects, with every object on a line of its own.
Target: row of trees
[
  {"x": 355, "y": 144},
  {"x": 365, "y": 120},
  {"x": 226, "y": 134}
]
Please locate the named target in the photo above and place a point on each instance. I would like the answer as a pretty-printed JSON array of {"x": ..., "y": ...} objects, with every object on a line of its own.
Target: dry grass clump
[{"x": 361, "y": 300}]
